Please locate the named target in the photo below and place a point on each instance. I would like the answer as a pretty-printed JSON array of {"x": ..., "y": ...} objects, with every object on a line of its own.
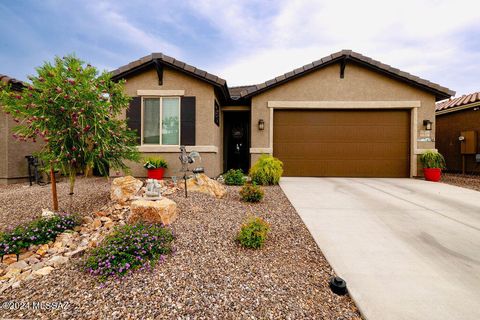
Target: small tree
[{"x": 75, "y": 110}]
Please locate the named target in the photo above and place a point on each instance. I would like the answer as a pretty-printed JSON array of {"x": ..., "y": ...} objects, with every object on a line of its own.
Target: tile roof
[
  {"x": 440, "y": 91},
  {"x": 172, "y": 62},
  {"x": 16, "y": 84},
  {"x": 235, "y": 91},
  {"x": 251, "y": 90},
  {"x": 464, "y": 100}
]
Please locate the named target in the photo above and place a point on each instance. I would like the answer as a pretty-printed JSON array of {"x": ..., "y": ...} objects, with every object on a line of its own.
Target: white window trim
[
  {"x": 151, "y": 148},
  {"x": 161, "y": 93},
  {"x": 161, "y": 119}
]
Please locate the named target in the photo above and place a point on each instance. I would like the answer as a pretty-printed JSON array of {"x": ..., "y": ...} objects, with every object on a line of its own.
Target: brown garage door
[{"x": 343, "y": 143}]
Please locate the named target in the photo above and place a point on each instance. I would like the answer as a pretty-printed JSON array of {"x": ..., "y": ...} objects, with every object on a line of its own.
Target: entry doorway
[{"x": 236, "y": 140}]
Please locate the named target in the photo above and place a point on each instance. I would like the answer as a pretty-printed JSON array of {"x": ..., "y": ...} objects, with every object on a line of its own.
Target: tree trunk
[
  {"x": 54, "y": 188},
  {"x": 73, "y": 175}
]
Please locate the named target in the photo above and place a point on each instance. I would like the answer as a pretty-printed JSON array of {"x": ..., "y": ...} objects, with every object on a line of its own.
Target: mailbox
[{"x": 468, "y": 144}]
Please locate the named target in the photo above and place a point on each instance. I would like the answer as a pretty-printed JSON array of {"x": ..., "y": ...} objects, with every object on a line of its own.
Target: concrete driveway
[{"x": 408, "y": 249}]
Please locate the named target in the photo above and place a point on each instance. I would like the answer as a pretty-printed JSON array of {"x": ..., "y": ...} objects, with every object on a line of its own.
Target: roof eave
[{"x": 348, "y": 56}]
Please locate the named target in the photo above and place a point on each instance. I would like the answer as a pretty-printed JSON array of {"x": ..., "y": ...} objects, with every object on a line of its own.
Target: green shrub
[
  {"x": 251, "y": 193},
  {"x": 266, "y": 171},
  {"x": 39, "y": 231},
  {"x": 128, "y": 248},
  {"x": 155, "y": 163},
  {"x": 432, "y": 159},
  {"x": 253, "y": 233},
  {"x": 234, "y": 177}
]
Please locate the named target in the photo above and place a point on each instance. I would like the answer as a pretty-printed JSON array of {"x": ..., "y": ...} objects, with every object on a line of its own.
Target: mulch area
[
  {"x": 209, "y": 276},
  {"x": 21, "y": 203},
  {"x": 460, "y": 180}
]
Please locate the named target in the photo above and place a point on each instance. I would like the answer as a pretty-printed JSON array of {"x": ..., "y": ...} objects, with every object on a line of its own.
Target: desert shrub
[
  {"x": 432, "y": 159},
  {"x": 128, "y": 248},
  {"x": 251, "y": 193},
  {"x": 39, "y": 231},
  {"x": 266, "y": 171},
  {"x": 234, "y": 177},
  {"x": 155, "y": 163},
  {"x": 253, "y": 233}
]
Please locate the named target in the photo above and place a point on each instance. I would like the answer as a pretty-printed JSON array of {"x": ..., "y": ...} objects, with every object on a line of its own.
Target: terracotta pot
[
  {"x": 432, "y": 174},
  {"x": 155, "y": 173}
]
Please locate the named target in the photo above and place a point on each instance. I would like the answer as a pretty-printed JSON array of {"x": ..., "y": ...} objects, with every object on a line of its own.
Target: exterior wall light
[
  {"x": 261, "y": 124},
  {"x": 427, "y": 124}
]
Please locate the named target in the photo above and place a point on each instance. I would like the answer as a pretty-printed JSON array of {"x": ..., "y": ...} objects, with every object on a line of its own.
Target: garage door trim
[{"x": 413, "y": 105}]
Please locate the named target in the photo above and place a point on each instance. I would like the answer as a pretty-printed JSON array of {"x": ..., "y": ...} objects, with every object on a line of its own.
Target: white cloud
[
  {"x": 421, "y": 37},
  {"x": 121, "y": 27}
]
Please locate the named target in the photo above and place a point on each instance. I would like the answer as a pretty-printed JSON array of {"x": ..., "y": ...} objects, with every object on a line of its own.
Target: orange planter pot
[
  {"x": 156, "y": 173},
  {"x": 432, "y": 174}
]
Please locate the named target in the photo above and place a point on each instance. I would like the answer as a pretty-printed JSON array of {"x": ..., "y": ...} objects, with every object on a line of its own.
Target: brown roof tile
[
  {"x": 235, "y": 92},
  {"x": 247, "y": 91},
  {"x": 171, "y": 62},
  {"x": 439, "y": 91},
  {"x": 466, "y": 99}
]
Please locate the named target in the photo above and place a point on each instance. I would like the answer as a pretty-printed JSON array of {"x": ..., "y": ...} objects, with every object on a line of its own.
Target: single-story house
[
  {"x": 13, "y": 165},
  {"x": 458, "y": 125},
  {"x": 345, "y": 115}
]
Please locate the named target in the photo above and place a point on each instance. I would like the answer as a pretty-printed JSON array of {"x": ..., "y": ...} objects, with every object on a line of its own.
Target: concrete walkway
[{"x": 408, "y": 249}]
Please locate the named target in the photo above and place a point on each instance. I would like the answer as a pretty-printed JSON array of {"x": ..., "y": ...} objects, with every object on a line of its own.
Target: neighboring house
[
  {"x": 343, "y": 115},
  {"x": 459, "y": 117},
  {"x": 13, "y": 165}
]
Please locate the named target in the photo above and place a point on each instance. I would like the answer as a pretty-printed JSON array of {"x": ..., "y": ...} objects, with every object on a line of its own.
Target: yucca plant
[
  {"x": 432, "y": 159},
  {"x": 155, "y": 163}
]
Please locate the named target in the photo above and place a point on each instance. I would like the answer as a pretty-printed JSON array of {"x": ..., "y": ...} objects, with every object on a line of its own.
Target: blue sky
[{"x": 247, "y": 41}]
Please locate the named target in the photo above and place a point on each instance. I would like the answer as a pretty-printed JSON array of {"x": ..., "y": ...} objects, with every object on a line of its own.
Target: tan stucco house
[
  {"x": 342, "y": 115},
  {"x": 13, "y": 165}
]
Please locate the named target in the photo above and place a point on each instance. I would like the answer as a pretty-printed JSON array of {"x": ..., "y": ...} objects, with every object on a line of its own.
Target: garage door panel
[
  {"x": 339, "y": 151},
  {"x": 349, "y": 168},
  {"x": 340, "y": 133},
  {"x": 356, "y": 143}
]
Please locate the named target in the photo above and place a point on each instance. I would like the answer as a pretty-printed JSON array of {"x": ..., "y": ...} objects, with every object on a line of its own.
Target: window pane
[
  {"x": 151, "y": 121},
  {"x": 171, "y": 121}
]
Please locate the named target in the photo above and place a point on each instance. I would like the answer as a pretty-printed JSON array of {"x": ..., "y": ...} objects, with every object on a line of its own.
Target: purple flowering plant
[
  {"x": 128, "y": 248},
  {"x": 39, "y": 231}
]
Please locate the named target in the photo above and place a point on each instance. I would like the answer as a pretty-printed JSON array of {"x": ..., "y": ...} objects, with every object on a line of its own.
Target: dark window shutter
[
  {"x": 187, "y": 119},
  {"x": 134, "y": 116}
]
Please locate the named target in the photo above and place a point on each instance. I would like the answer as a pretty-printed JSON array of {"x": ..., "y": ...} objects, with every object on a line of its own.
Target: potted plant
[
  {"x": 155, "y": 167},
  {"x": 433, "y": 163}
]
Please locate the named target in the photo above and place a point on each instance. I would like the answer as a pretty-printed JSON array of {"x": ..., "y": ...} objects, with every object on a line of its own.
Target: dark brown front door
[
  {"x": 237, "y": 140},
  {"x": 343, "y": 143}
]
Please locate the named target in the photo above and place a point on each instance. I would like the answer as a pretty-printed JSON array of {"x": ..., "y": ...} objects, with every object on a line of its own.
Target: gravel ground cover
[
  {"x": 21, "y": 203},
  {"x": 460, "y": 180},
  {"x": 209, "y": 276}
]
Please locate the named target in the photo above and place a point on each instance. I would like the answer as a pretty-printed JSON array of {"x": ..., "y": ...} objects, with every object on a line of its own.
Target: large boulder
[
  {"x": 160, "y": 211},
  {"x": 202, "y": 183},
  {"x": 124, "y": 188}
]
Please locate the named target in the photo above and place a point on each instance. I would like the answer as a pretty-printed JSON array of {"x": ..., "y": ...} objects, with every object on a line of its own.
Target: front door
[{"x": 237, "y": 140}]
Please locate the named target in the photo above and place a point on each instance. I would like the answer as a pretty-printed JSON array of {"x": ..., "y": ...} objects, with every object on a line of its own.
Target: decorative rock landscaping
[
  {"x": 161, "y": 211},
  {"x": 202, "y": 183},
  {"x": 209, "y": 276}
]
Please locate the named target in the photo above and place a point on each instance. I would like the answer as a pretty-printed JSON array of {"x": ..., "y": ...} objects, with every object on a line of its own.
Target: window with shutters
[{"x": 161, "y": 121}]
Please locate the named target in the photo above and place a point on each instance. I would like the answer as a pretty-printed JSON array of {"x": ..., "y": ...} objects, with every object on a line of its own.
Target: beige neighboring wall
[
  {"x": 13, "y": 165},
  {"x": 207, "y": 134},
  {"x": 359, "y": 84}
]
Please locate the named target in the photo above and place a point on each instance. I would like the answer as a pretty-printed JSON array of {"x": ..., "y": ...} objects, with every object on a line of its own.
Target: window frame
[{"x": 161, "y": 120}]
